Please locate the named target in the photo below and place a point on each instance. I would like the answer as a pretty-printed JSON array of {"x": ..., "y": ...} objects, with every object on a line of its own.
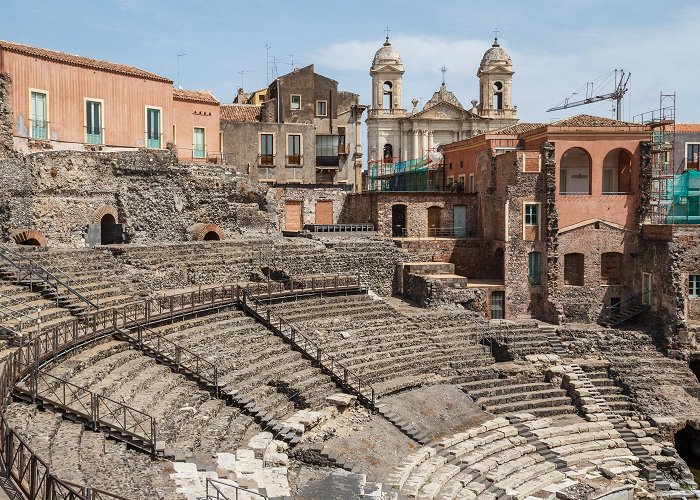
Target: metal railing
[
  {"x": 305, "y": 284},
  {"x": 294, "y": 160},
  {"x": 20, "y": 317},
  {"x": 218, "y": 490},
  {"x": 97, "y": 410},
  {"x": 347, "y": 379},
  {"x": 180, "y": 357},
  {"x": 496, "y": 333},
  {"x": 27, "y": 269},
  {"x": 641, "y": 299}
]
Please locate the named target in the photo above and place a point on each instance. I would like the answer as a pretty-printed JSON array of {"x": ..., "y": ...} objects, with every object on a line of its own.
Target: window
[
  {"x": 326, "y": 145},
  {"x": 93, "y": 122},
  {"x": 460, "y": 182},
  {"x": 38, "y": 116},
  {"x": 472, "y": 186},
  {"x": 153, "y": 128},
  {"x": 610, "y": 263},
  {"x": 296, "y": 102},
  {"x": 694, "y": 286},
  {"x": 532, "y": 216},
  {"x": 321, "y": 108},
  {"x": 498, "y": 95},
  {"x": 573, "y": 269},
  {"x": 198, "y": 148},
  {"x": 387, "y": 97},
  {"x": 575, "y": 172},
  {"x": 294, "y": 149},
  {"x": 266, "y": 149},
  {"x": 692, "y": 157},
  {"x": 533, "y": 267}
]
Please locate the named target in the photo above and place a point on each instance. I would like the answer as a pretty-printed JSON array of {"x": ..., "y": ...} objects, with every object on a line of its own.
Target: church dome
[
  {"x": 387, "y": 55},
  {"x": 495, "y": 54}
]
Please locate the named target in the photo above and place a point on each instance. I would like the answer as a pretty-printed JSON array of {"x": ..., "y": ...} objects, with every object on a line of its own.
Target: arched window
[
  {"x": 498, "y": 95},
  {"x": 575, "y": 172},
  {"x": 617, "y": 172},
  {"x": 388, "y": 152},
  {"x": 388, "y": 100}
]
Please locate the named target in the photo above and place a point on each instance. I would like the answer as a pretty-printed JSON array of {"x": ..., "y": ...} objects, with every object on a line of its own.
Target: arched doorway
[
  {"x": 211, "y": 236},
  {"x": 617, "y": 172},
  {"x": 108, "y": 231},
  {"x": 398, "y": 221},
  {"x": 206, "y": 232}
]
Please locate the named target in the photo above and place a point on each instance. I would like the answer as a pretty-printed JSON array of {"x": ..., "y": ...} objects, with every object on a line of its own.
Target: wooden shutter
[
  {"x": 292, "y": 215},
  {"x": 324, "y": 212}
]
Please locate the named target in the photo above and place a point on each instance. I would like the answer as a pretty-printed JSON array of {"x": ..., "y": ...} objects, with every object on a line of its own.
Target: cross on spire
[
  {"x": 387, "y": 33},
  {"x": 444, "y": 70},
  {"x": 495, "y": 35}
]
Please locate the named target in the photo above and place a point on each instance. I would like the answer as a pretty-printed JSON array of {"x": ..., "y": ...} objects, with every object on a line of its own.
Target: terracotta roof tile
[
  {"x": 85, "y": 62},
  {"x": 518, "y": 128},
  {"x": 195, "y": 95},
  {"x": 240, "y": 113},
  {"x": 593, "y": 121},
  {"x": 687, "y": 127}
]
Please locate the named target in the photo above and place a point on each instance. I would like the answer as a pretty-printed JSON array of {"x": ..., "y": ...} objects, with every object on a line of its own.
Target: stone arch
[
  {"x": 206, "y": 232},
  {"x": 30, "y": 237},
  {"x": 105, "y": 210},
  {"x": 575, "y": 171}
]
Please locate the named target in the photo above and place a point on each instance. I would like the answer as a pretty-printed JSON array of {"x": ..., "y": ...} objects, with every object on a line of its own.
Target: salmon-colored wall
[
  {"x": 186, "y": 116},
  {"x": 125, "y": 100},
  {"x": 615, "y": 208}
]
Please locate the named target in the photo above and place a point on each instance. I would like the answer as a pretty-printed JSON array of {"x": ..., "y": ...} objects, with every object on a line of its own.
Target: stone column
[
  {"x": 430, "y": 139},
  {"x": 414, "y": 153}
]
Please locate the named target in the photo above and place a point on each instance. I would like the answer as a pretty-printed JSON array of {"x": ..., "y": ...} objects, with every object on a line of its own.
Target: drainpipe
[{"x": 279, "y": 96}]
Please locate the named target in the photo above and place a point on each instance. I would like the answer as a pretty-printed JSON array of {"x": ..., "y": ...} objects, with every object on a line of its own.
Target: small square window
[
  {"x": 694, "y": 286},
  {"x": 296, "y": 102},
  {"x": 321, "y": 108}
]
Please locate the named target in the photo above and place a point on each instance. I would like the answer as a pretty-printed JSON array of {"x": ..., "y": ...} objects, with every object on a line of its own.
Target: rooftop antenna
[
  {"x": 444, "y": 70},
  {"x": 291, "y": 57},
  {"x": 178, "y": 69},
  {"x": 274, "y": 72},
  {"x": 621, "y": 79},
  {"x": 243, "y": 72},
  {"x": 267, "y": 62}
]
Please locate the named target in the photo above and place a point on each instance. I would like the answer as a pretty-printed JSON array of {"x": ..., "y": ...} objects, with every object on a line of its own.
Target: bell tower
[
  {"x": 496, "y": 84},
  {"x": 387, "y": 81}
]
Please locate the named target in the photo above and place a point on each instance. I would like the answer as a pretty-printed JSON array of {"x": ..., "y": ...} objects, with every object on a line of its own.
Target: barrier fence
[{"x": 30, "y": 473}]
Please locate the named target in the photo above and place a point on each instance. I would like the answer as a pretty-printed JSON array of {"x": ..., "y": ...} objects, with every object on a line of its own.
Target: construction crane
[{"x": 592, "y": 95}]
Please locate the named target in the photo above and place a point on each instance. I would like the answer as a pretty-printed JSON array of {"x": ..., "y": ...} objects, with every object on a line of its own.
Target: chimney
[{"x": 241, "y": 97}]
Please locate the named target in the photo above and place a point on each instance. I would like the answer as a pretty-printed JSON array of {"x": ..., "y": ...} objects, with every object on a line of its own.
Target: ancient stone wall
[
  {"x": 471, "y": 256},
  {"x": 157, "y": 198},
  {"x": 6, "y": 116},
  {"x": 309, "y": 198},
  {"x": 426, "y": 291}
]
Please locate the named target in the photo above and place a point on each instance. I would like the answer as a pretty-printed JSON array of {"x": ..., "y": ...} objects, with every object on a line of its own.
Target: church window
[
  {"x": 388, "y": 102},
  {"x": 498, "y": 95}
]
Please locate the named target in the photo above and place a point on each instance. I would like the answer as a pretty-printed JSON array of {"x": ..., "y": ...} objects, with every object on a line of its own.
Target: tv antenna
[
  {"x": 243, "y": 72},
  {"x": 593, "y": 89}
]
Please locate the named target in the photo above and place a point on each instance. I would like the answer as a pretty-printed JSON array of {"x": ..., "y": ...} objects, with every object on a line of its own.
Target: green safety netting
[
  {"x": 409, "y": 175},
  {"x": 682, "y": 196}
]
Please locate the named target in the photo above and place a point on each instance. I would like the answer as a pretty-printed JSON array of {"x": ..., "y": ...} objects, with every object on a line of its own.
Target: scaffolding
[
  {"x": 667, "y": 205},
  {"x": 418, "y": 174}
]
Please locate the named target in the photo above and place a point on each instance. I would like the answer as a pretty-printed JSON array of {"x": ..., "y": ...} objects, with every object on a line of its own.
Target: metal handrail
[
  {"x": 43, "y": 274},
  {"x": 218, "y": 494},
  {"x": 55, "y": 269},
  {"x": 314, "y": 283},
  {"x": 634, "y": 299},
  {"x": 347, "y": 379}
]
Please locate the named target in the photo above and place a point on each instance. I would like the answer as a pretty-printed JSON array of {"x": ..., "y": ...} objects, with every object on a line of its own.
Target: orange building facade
[{"x": 63, "y": 101}]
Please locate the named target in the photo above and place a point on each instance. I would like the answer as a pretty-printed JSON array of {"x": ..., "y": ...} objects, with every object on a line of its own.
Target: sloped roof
[
  {"x": 240, "y": 113},
  {"x": 84, "y": 62},
  {"x": 518, "y": 128},
  {"x": 584, "y": 120},
  {"x": 195, "y": 95},
  {"x": 687, "y": 127},
  {"x": 442, "y": 95}
]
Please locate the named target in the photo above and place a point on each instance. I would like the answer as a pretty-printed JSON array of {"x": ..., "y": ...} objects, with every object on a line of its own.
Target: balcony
[
  {"x": 380, "y": 112},
  {"x": 39, "y": 129},
  {"x": 267, "y": 160},
  {"x": 327, "y": 162},
  {"x": 294, "y": 160},
  {"x": 94, "y": 135}
]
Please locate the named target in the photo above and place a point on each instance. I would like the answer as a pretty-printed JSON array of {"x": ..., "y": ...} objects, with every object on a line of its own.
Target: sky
[{"x": 556, "y": 46}]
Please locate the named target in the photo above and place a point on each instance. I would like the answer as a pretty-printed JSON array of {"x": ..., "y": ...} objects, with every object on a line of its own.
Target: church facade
[{"x": 395, "y": 134}]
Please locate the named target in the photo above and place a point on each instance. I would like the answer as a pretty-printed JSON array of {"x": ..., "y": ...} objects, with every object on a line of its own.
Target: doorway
[
  {"x": 434, "y": 221},
  {"x": 292, "y": 215},
  {"x": 498, "y": 301},
  {"x": 398, "y": 221}
]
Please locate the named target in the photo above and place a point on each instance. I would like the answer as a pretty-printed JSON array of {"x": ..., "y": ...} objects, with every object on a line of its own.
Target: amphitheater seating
[
  {"x": 518, "y": 394},
  {"x": 81, "y": 456},
  {"x": 254, "y": 361},
  {"x": 188, "y": 419},
  {"x": 379, "y": 343}
]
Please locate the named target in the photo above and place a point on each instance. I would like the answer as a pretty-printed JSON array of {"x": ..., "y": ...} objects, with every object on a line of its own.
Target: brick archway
[
  {"x": 105, "y": 210},
  {"x": 209, "y": 232},
  {"x": 28, "y": 237}
]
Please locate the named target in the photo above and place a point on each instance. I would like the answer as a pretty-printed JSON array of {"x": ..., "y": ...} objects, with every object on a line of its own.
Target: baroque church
[{"x": 395, "y": 134}]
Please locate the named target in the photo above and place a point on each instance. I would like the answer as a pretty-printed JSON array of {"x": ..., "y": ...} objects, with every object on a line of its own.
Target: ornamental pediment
[{"x": 442, "y": 111}]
